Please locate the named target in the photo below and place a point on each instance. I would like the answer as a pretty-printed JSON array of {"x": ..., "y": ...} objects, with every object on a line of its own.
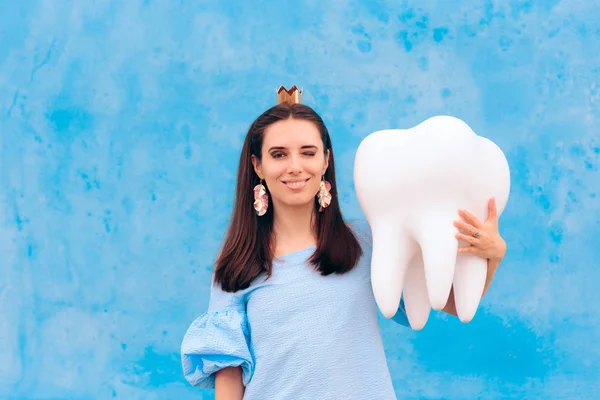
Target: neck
[{"x": 293, "y": 226}]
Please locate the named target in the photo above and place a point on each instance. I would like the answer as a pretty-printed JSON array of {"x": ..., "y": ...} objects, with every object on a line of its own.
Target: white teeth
[
  {"x": 416, "y": 299},
  {"x": 388, "y": 255},
  {"x": 435, "y": 234},
  {"x": 469, "y": 282},
  {"x": 410, "y": 184},
  {"x": 296, "y": 185}
]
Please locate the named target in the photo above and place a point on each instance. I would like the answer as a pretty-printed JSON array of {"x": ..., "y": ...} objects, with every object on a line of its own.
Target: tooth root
[
  {"x": 392, "y": 251},
  {"x": 416, "y": 300},
  {"x": 436, "y": 236},
  {"x": 469, "y": 282}
]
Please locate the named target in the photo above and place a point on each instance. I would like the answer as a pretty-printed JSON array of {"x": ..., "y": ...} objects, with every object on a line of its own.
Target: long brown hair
[{"x": 247, "y": 250}]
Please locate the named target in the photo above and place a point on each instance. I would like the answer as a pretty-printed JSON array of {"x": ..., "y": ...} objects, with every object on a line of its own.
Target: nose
[{"x": 295, "y": 166}]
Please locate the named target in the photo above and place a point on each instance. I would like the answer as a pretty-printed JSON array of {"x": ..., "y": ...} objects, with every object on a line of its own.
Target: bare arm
[
  {"x": 229, "y": 384},
  {"x": 492, "y": 266}
]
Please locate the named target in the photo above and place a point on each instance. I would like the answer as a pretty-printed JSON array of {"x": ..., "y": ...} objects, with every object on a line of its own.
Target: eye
[
  {"x": 309, "y": 153},
  {"x": 277, "y": 154}
]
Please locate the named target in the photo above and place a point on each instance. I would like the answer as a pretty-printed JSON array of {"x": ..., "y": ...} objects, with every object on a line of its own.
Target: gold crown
[{"x": 292, "y": 96}]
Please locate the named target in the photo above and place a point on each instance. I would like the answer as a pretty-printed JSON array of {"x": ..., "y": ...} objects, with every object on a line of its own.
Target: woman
[{"x": 292, "y": 313}]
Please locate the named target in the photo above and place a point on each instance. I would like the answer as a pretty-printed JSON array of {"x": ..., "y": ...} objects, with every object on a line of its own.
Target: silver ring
[{"x": 476, "y": 234}]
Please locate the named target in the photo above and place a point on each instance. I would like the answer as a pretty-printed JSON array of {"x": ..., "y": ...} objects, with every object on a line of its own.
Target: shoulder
[
  {"x": 220, "y": 299},
  {"x": 362, "y": 232}
]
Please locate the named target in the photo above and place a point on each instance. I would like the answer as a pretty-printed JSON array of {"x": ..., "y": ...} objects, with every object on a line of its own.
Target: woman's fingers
[
  {"x": 492, "y": 211},
  {"x": 470, "y": 218},
  {"x": 467, "y": 238},
  {"x": 470, "y": 250},
  {"x": 465, "y": 228}
]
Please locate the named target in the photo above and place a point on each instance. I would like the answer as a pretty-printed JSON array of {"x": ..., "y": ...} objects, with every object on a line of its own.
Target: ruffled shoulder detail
[{"x": 214, "y": 341}]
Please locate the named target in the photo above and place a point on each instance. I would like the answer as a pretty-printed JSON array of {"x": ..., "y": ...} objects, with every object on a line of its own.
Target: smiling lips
[{"x": 296, "y": 184}]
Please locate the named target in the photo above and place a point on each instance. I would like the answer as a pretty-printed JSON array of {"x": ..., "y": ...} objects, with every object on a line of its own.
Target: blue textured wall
[{"x": 120, "y": 126}]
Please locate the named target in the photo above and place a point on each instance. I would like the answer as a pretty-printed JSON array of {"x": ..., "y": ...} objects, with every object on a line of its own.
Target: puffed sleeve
[
  {"x": 362, "y": 231},
  {"x": 218, "y": 339}
]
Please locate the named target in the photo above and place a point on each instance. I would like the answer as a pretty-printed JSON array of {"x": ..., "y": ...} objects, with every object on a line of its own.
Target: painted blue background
[{"x": 120, "y": 127}]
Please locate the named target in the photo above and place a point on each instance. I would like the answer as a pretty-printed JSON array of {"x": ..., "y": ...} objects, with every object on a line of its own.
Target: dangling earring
[
  {"x": 324, "y": 195},
  {"x": 261, "y": 199}
]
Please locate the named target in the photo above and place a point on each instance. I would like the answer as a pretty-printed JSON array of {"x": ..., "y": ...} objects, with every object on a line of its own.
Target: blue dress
[{"x": 297, "y": 335}]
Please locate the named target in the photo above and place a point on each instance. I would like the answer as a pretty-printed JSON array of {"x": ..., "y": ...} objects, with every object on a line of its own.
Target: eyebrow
[{"x": 303, "y": 147}]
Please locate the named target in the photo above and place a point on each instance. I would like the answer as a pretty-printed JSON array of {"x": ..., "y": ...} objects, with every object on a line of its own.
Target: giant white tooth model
[{"x": 410, "y": 184}]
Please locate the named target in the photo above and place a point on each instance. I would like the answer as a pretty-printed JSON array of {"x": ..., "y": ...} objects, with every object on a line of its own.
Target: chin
[{"x": 298, "y": 203}]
